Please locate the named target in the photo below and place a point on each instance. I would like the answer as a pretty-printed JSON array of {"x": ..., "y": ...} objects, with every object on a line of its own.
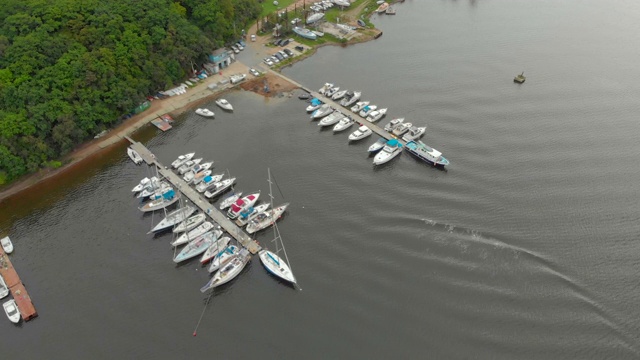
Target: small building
[{"x": 220, "y": 58}]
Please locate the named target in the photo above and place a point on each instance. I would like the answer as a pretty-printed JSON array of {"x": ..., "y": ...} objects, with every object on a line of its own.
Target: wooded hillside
[{"x": 69, "y": 69}]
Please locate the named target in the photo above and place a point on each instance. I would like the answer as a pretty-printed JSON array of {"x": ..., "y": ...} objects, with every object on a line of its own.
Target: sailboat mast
[{"x": 275, "y": 234}]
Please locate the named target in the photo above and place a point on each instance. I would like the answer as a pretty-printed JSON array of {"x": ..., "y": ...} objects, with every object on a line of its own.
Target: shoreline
[{"x": 174, "y": 106}]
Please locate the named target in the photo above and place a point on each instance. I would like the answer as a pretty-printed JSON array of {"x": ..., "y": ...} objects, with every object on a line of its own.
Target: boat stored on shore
[
  {"x": 305, "y": 33},
  {"x": 426, "y": 153}
]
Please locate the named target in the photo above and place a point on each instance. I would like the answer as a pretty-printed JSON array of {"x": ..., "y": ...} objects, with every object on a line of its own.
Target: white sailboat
[{"x": 271, "y": 260}]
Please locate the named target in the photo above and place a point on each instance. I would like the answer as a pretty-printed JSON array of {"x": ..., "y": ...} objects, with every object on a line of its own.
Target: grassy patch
[
  {"x": 54, "y": 164},
  {"x": 269, "y": 8}
]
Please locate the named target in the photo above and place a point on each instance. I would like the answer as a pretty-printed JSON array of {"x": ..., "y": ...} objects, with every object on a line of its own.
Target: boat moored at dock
[
  {"x": 229, "y": 271},
  {"x": 168, "y": 198},
  {"x": 173, "y": 218},
  {"x": 360, "y": 134},
  {"x": 182, "y": 159},
  {"x": 390, "y": 150},
  {"x": 11, "y": 309},
  {"x": 426, "y": 153}
]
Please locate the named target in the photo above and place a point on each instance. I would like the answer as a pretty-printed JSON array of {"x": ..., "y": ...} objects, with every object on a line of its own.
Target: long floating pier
[
  {"x": 197, "y": 199},
  {"x": 373, "y": 126},
  {"x": 20, "y": 294}
]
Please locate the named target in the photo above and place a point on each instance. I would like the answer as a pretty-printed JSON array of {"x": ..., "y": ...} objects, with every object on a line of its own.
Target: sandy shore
[{"x": 174, "y": 106}]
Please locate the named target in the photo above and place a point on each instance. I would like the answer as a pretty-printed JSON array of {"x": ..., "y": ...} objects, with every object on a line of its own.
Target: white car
[
  {"x": 253, "y": 37},
  {"x": 268, "y": 61},
  {"x": 235, "y": 49},
  {"x": 254, "y": 72}
]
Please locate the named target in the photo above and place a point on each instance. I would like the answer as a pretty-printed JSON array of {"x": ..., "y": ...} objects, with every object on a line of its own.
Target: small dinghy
[
  {"x": 134, "y": 156},
  {"x": 7, "y": 245}
]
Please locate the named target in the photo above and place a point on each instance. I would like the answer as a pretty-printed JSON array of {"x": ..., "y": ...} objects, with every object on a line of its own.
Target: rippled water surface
[{"x": 525, "y": 248}]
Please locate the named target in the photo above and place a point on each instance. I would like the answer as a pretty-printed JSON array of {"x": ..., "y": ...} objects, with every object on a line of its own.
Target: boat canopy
[
  {"x": 394, "y": 143},
  {"x": 169, "y": 194},
  {"x": 315, "y": 102},
  {"x": 207, "y": 178}
]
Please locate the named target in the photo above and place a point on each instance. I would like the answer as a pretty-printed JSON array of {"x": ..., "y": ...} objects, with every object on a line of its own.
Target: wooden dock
[
  {"x": 19, "y": 293},
  {"x": 197, "y": 199},
  {"x": 359, "y": 120}
]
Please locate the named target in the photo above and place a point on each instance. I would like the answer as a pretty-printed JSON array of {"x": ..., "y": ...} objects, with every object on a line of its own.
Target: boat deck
[
  {"x": 19, "y": 293},
  {"x": 197, "y": 199},
  {"x": 373, "y": 126}
]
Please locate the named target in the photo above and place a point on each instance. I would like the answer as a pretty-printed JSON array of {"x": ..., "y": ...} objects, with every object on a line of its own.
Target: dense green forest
[{"x": 69, "y": 68}]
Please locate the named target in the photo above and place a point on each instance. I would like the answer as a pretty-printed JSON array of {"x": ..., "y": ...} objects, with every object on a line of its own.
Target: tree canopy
[{"x": 69, "y": 69}]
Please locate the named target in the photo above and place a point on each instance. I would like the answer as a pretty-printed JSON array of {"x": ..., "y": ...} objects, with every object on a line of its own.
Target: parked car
[
  {"x": 268, "y": 61},
  {"x": 240, "y": 47},
  {"x": 283, "y": 54},
  {"x": 275, "y": 59},
  {"x": 253, "y": 37},
  {"x": 254, "y": 72},
  {"x": 235, "y": 49},
  {"x": 299, "y": 48},
  {"x": 284, "y": 42},
  {"x": 241, "y": 42},
  {"x": 288, "y": 52},
  {"x": 278, "y": 56}
]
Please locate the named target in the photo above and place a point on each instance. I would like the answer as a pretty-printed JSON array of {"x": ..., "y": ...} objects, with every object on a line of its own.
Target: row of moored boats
[
  {"x": 198, "y": 235},
  {"x": 385, "y": 149},
  {"x": 10, "y": 307}
]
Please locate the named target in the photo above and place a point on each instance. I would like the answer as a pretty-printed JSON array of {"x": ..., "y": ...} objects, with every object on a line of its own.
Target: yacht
[
  {"x": 224, "y": 104},
  {"x": 199, "y": 230},
  {"x": 414, "y": 133},
  {"x": 229, "y": 271},
  {"x": 219, "y": 188},
  {"x": 250, "y": 214},
  {"x": 205, "y": 112},
  {"x": 368, "y": 109},
  {"x": 242, "y": 205},
  {"x": 265, "y": 219},
  {"x": 402, "y": 128},
  {"x": 376, "y": 115},
  {"x": 322, "y": 111},
  {"x": 208, "y": 181},
  {"x": 222, "y": 258},
  {"x": 188, "y": 165},
  {"x": 314, "y": 105},
  {"x": 393, "y": 124},
  {"x": 343, "y": 124},
  {"x": 352, "y": 100},
  {"x": 360, "y": 134},
  {"x": 329, "y": 93},
  {"x": 324, "y": 88},
  {"x": 378, "y": 145},
  {"x": 426, "y": 153},
  {"x": 191, "y": 174},
  {"x": 214, "y": 249},
  {"x": 190, "y": 223},
  {"x": 390, "y": 150},
  {"x": 339, "y": 95},
  {"x": 332, "y": 119},
  {"x": 182, "y": 159},
  {"x": 174, "y": 217},
  {"x": 359, "y": 106},
  {"x": 230, "y": 200},
  {"x": 200, "y": 176}
]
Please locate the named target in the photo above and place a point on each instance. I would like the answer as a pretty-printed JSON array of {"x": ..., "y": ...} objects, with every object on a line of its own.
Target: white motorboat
[
  {"x": 393, "y": 124},
  {"x": 191, "y": 174},
  {"x": 190, "y": 223},
  {"x": 339, "y": 95},
  {"x": 242, "y": 205},
  {"x": 266, "y": 219},
  {"x": 324, "y": 88},
  {"x": 229, "y": 271},
  {"x": 134, "y": 156},
  {"x": 214, "y": 249},
  {"x": 329, "y": 93},
  {"x": 141, "y": 185},
  {"x": 343, "y": 124},
  {"x": 402, "y": 128},
  {"x": 378, "y": 145},
  {"x": 360, "y": 134},
  {"x": 197, "y": 246},
  {"x": 168, "y": 198},
  {"x": 11, "y": 309},
  {"x": 188, "y": 165},
  {"x": 224, "y": 104},
  {"x": 314, "y": 18},
  {"x": 219, "y": 188},
  {"x": 208, "y": 181},
  {"x": 333, "y": 118},
  {"x": 359, "y": 106},
  {"x": 390, "y": 150},
  {"x": 414, "y": 133},
  {"x": 200, "y": 176},
  {"x": 367, "y": 110},
  {"x": 250, "y": 214},
  {"x": 174, "y": 217},
  {"x": 222, "y": 258},
  {"x": 226, "y": 202},
  {"x": 6, "y": 244},
  {"x": 205, "y": 112},
  {"x": 156, "y": 187},
  {"x": 4, "y": 289},
  {"x": 376, "y": 115},
  {"x": 352, "y": 100},
  {"x": 322, "y": 111},
  {"x": 314, "y": 105},
  {"x": 203, "y": 228},
  {"x": 426, "y": 153},
  {"x": 182, "y": 159}
]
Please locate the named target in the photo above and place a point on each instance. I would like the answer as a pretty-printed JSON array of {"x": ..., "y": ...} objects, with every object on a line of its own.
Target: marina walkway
[
  {"x": 197, "y": 199},
  {"x": 19, "y": 293},
  {"x": 373, "y": 126}
]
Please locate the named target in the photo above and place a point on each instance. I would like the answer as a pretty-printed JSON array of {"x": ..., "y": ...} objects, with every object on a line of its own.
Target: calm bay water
[{"x": 525, "y": 248}]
